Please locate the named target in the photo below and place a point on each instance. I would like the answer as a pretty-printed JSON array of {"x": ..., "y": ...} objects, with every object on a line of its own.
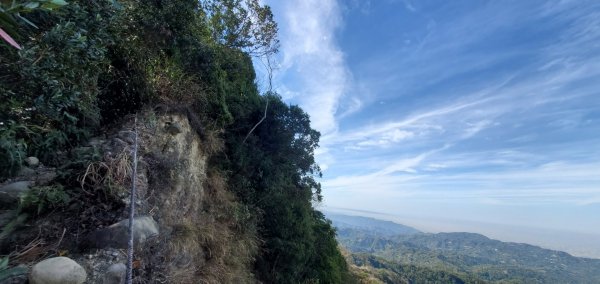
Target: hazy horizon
[
  {"x": 574, "y": 243},
  {"x": 472, "y": 113}
]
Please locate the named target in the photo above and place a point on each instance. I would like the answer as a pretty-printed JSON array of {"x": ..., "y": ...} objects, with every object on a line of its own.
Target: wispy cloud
[
  {"x": 312, "y": 71},
  {"x": 557, "y": 182},
  {"x": 409, "y": 6}
]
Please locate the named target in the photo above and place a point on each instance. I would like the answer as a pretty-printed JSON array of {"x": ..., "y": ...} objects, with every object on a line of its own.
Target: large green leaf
[
  {"x": 53, "y": 4},
  {"x": 25, "y": 20},
  {"x": 31, "y": 5}
]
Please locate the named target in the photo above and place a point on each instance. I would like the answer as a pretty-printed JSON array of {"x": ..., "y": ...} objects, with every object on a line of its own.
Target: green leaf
[
  {"x": 25, "y": 20},
  {"x": 31, "y": 5},
  {"x": 59, "y": 2},
  {"x": 3, "y": 263},
  {"x": 70, "y": 117},
  {"x": 53, "y": 4}
]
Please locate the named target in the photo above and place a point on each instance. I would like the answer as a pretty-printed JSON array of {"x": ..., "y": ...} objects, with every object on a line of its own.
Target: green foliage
[
  {"x": 274, "y": 171},
  {"x": 51, "y": 85},
  {"x": 13, "y": 148},
  {"x": 6, "y": 272},
  {"x": 18, "y": 220},
  {"x": 390, "y": 272},
  {"x": 243, "y": 24},
  {"x": 43, "y": 198}
]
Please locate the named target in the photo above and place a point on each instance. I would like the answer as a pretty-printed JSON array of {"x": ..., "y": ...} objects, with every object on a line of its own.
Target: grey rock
[
  {"x": 57, "y": 270},
  {"x": 173, "y": 128},
  {"x": 117, "y": 235},
  {"x": 27, "y": 172},
  {"x": 95, "y": 142},
  {"x": 45, "y": 177},
  {"x": 12, "y": 192},
  {"x": 115, "y": 274},
  {"x": 127, "y": 136},
  {"x": 32, "y": 162}
]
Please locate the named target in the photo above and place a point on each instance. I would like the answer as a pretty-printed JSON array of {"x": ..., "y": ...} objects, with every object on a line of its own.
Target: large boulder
[
  {"x": 117, "y": 235},
  {"x": 12, "y": 192},
  {"x": 57, "y": 270}
]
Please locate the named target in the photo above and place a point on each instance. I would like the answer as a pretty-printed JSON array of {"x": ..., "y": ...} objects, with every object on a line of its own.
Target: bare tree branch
[{"x": 269, "y": 68}]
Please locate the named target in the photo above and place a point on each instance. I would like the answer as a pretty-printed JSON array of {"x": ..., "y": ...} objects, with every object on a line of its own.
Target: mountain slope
[
  {"x": 474, "y": 255},
  {"x": 380, "y": 227}
]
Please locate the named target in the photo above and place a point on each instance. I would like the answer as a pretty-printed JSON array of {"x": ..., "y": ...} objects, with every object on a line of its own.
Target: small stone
[
  {"x": 32, "y": 162},
  {"x": 115, "y": 274},
  {"x": 57, "y": 270},
  {"x": 12, "y": 192},
  {"x": 117, "y": 235}
]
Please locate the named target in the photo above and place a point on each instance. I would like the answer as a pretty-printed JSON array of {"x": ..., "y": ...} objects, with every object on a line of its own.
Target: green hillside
[{"x": 473, "y": 255}]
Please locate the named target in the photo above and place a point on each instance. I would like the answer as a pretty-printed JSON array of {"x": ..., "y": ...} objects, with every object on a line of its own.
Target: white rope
[{"x": 132, "y": 208}]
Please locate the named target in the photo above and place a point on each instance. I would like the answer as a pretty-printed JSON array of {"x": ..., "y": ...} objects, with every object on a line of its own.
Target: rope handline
[{"x": 132, "y": 207}]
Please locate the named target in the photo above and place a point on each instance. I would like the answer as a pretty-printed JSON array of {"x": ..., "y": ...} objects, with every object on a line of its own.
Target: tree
[{"x": 243, "y": 24}]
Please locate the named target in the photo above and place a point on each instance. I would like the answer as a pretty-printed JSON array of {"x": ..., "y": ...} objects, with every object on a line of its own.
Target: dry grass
[
  {"x": 209, "y": 248},
  {"x": 113, "y": 175},
  {"x": 213, "y": 143}
]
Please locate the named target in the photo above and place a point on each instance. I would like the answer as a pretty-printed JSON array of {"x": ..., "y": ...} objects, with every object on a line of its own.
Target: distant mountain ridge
[
  {"x": 474, "y": 256},
  {"x": 376, "y": 226}
]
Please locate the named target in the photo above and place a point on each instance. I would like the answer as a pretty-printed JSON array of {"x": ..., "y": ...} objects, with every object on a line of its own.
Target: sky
[{"x": 480, "y": 116}]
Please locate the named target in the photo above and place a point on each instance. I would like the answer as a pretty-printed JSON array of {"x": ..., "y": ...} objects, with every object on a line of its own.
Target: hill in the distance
[
  {"x": 375, "y": 226},
  {"x": 467, "y": 256}
]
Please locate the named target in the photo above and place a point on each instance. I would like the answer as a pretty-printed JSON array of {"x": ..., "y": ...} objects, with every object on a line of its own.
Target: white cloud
[
  {"x": 311, "y": 56},
  {"x": 409, "y": 6},
  {"x": 558, "y": 182}
]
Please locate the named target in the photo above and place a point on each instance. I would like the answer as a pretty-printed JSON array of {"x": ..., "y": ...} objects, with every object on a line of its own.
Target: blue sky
[{"x": 456, "y": 112}]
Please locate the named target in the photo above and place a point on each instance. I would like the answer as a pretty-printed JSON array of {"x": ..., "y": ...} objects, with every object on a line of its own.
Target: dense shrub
[{"x": 49, "y": 88}]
